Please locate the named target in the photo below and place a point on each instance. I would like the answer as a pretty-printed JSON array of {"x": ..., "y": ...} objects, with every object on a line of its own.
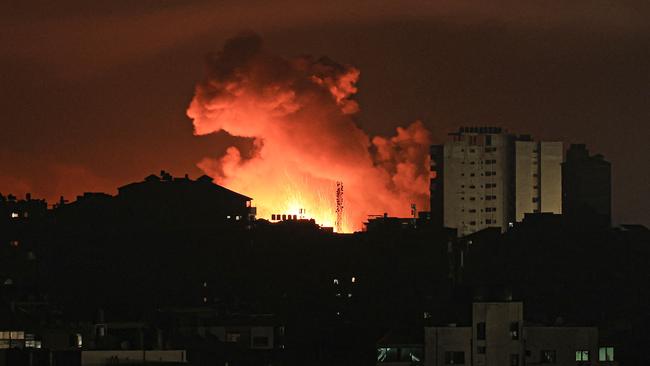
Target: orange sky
[{"x": 94, "y": 94}]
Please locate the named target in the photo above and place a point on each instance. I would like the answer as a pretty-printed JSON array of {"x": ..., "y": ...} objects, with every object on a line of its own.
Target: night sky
[{"x": 93, "y": 93}]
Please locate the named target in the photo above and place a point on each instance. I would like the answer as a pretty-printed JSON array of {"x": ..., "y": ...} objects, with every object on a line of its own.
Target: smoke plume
[{"x": 299, "y": 114}]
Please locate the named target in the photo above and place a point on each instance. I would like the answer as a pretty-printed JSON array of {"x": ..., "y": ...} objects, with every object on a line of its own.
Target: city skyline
[{"x": 102, "y": 107}]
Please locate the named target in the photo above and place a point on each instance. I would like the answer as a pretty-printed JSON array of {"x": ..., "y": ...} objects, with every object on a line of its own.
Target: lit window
[
  {"x": 79, "y": 339},
  {"x": 386, "y": 354},
  {"x": 582, "y": 355},
  {"x": 14, "y": 215},
  {"x": 354, "y": 279},
  {"x": 336, "y": 281},
  {"x": 606, "y": 354},
  {"x": 349, "y": 295},
  {"x": 14, "y": 243}
]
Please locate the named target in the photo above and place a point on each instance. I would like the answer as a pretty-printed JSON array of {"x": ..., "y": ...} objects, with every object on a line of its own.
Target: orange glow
[{"x": 300, "y": 114}]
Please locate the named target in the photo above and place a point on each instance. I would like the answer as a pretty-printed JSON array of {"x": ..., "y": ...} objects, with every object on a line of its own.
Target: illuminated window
[
  {"x": 354, "y": 279},
  {"x": 349, "y": 295},
  {"x": 411, "y": 354},
  {"x": 14, "y": 243},
  {"x": 606, "y": 354},
  {"x": 336, "y": 281},
  {"x": 79, "y": 340},
  {"x": 387, "y": 354},
  {"x": 547, "y": 356},
  {"x": 14, "y": 215},
  {"x": 454, "y": 358},
  {"x": 582, "y": 355},
  {"x": 32, "y": 344}
]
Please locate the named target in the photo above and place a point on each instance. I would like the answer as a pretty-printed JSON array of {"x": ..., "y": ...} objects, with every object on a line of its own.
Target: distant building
[
  {"x": 587, "y": 185},
  {"x": 538, "y": 177},
  {"x": 183, "y": 202},
  {"x": 492, "y": 178},
  {"x": 498, "y": 335}
]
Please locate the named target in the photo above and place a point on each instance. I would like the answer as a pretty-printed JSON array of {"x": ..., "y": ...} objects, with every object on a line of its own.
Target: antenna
[{"x": 339, "y": 206}]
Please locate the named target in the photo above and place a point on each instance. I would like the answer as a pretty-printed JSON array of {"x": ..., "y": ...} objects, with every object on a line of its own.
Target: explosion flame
[{"x": 299, "y": 114}]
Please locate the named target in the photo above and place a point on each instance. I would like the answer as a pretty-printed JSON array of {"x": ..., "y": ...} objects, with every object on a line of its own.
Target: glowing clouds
[{"x": 299, "y": 113}]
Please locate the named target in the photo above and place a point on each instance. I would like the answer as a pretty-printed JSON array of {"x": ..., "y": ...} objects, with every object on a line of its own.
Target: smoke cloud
[{"x": 299, "y": 114}]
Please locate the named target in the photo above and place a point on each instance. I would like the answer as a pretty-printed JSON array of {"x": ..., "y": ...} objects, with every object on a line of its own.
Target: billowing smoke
[{"x": 299, "y": 114}]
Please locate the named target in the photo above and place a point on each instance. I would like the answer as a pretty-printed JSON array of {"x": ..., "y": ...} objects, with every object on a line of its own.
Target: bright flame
[{"x": 300, "y": 117}]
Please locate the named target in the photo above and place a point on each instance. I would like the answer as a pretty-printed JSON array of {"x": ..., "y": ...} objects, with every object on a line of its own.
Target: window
[
  {"x": 472, "y": 222},
  {"x": 547, "y": 356},
  {"x": 606, "y": 354},
  {"x": 233, "y": 337},
  {"x": 387, "y": 354},
  {"x": 514, "y": 359},
  {"x": 514, "y": 330},
  {"x": 412, "y": 355},
  {"x": 454, "y": 358},
  {"x": 535, "y": 199},
  {"x": 481, "y": 350},
  {"x": 582, "y": 356},
  {"x": 480, "y": 330}
]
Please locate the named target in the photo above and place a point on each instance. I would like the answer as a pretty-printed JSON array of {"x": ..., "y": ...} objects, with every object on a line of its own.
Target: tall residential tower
[{"x": 492, "y": 178}]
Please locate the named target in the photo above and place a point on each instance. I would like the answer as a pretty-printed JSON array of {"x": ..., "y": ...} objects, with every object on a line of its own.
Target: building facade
[
  {"x": 492, "y": 178},
  {"x": 499, "y": 336},
  {"x": 538, "y": 177}
]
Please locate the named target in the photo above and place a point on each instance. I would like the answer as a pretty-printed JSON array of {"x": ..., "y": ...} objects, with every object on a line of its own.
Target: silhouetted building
[
  {"x": 182, "y": 202},
  {"x": 587, "y": 186}
]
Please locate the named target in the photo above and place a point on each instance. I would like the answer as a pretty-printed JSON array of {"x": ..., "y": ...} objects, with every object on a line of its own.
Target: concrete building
[
  {"x": 587, "y": 185},
  {"x": 499, "y": 336},
  {"x": 492, "y": 178},
  {"x": 538, "y": 177}
]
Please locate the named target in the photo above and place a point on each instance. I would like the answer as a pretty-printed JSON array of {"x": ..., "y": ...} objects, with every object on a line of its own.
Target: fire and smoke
[{"x": 299, "y": 114}]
